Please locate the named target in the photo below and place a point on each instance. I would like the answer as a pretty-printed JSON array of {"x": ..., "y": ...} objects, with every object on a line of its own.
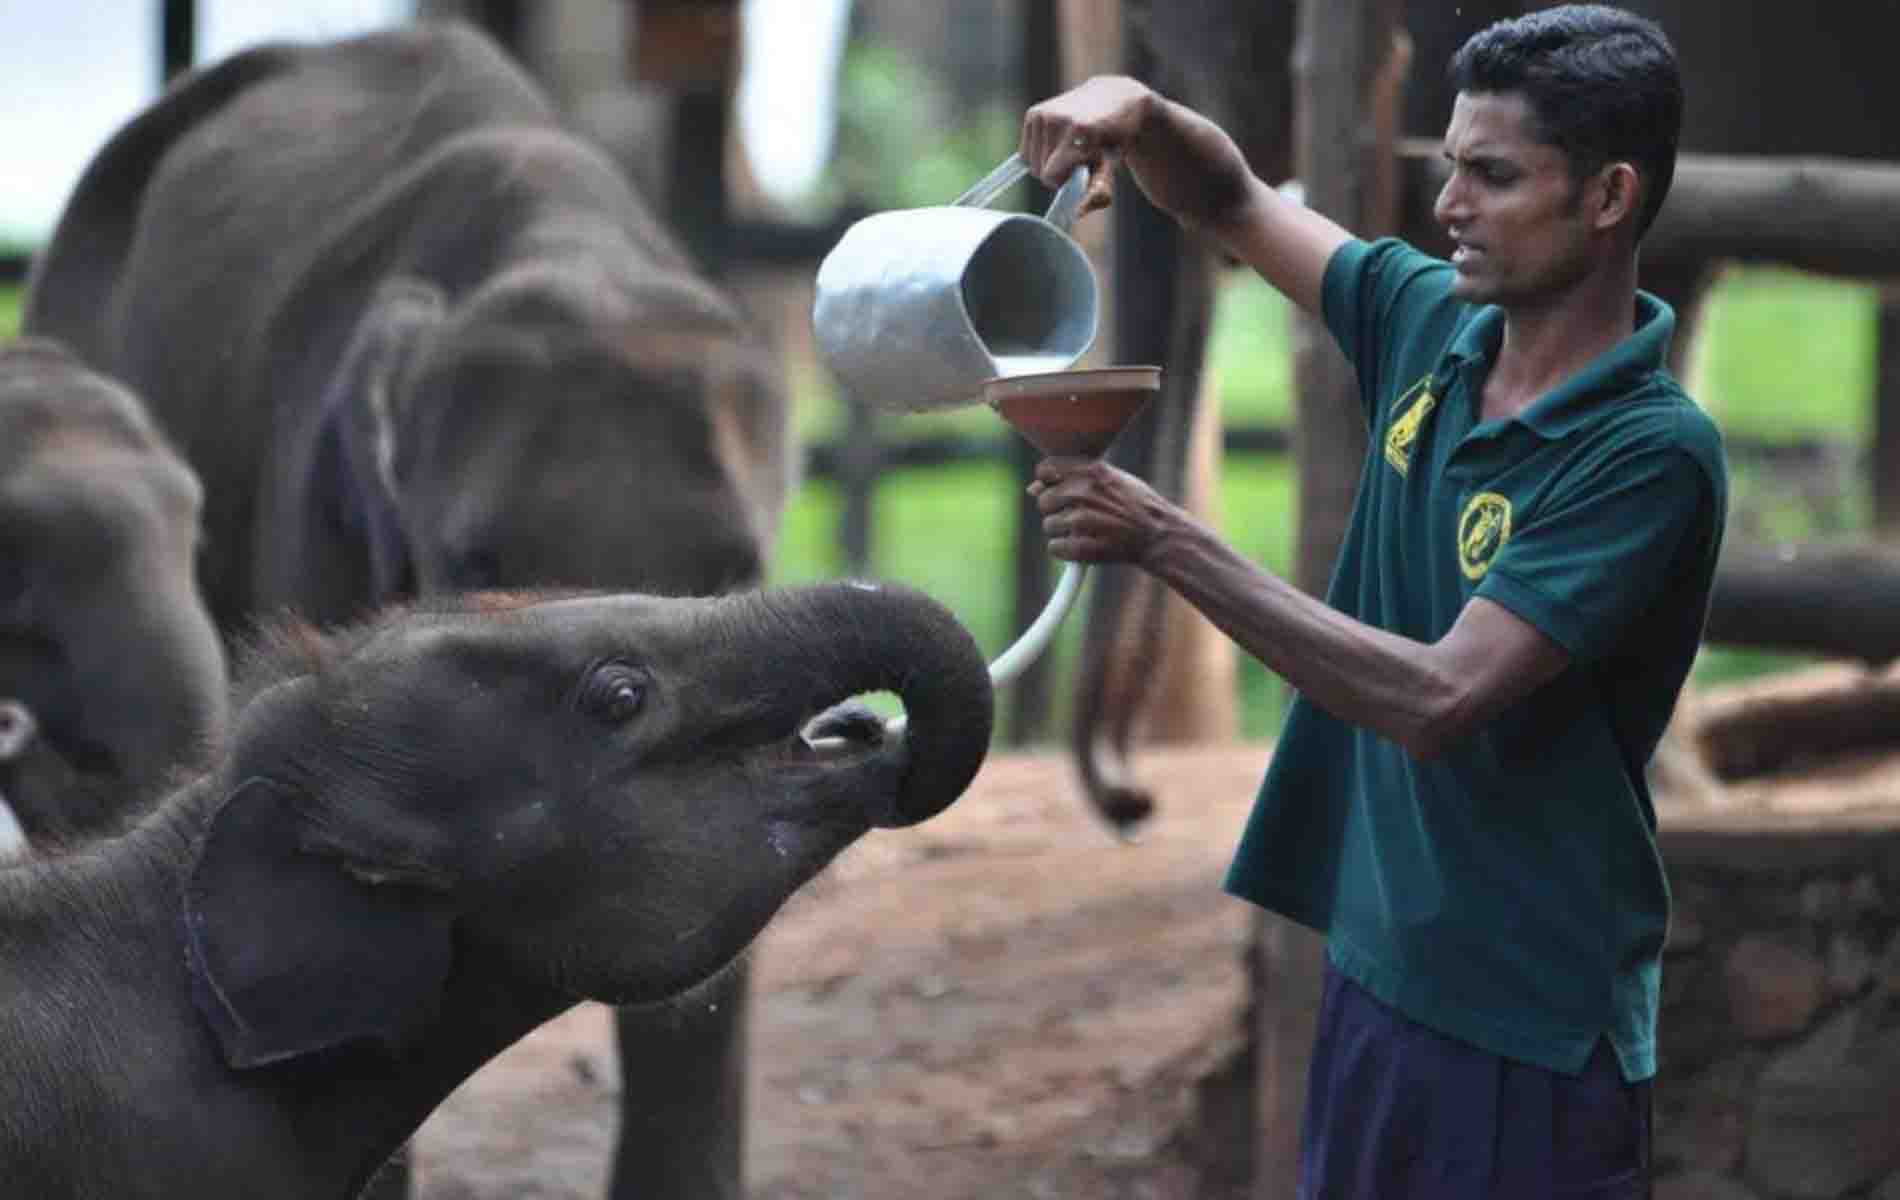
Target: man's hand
[
  {"x": 1094, "y": 512},
  {"x": 1095, "y": 123},
  {"x": 1188, "y": 168}
]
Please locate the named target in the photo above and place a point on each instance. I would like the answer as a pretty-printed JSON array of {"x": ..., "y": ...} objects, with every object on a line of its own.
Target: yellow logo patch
[
  {"x": 1482, "y": 532},
  {"x": 1404, "y": 432}
]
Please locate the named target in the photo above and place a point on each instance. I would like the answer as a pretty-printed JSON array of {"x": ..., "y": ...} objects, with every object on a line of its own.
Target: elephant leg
[
  {"x": 1164, "y": 302},
  {"x": 682, "y": 1095}
]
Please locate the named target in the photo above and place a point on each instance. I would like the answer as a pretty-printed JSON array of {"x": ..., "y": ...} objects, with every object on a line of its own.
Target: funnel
[
  {"x": 1065, "y": 413},
  {"x": 1071, "y": 413}
]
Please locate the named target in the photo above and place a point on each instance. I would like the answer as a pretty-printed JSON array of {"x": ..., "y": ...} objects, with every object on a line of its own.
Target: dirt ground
[{"x": 1004, "y": 1002}]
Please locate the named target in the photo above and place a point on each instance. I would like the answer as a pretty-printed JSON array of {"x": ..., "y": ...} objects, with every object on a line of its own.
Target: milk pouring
[{"x": 916, "y": 308}]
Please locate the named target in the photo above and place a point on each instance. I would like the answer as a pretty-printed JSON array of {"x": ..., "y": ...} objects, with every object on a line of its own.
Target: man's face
[{"x": 1514, "y": 213}]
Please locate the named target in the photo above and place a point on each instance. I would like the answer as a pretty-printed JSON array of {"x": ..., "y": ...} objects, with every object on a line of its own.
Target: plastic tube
[{"x": 1035, "y": 639}]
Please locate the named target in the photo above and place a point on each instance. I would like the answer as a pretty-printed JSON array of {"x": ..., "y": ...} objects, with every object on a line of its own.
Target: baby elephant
[
  {"x": 111, "y": 673},
  {"x": 427, "y": 835}
]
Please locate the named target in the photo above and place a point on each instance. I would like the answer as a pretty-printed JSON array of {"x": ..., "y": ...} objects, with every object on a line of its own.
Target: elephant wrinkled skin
[
  {"x": 429, "y": 834},
  {"x": 111, "y": 673},
  {"x": 418, "y": 338}
]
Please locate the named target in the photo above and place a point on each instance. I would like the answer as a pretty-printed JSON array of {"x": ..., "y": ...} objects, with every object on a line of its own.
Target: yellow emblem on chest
[
  {"x": 1404, "y": 431},
  {"x": 1482, "y": 531}
]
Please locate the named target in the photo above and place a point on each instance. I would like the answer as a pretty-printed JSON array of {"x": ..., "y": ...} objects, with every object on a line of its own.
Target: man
[{"x": 1458, "y": 799}]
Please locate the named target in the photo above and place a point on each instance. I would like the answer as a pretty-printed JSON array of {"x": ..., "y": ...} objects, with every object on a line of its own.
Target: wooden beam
[
  {"x": 1830, "y": 215},
  {"x": 1836, "y": 601},
  {"x": 1755, "y": 728}
]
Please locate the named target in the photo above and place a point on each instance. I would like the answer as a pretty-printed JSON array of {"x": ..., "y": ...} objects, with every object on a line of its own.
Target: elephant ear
[
  {"x": 356, "y": 455},
  {"x": 293, "y": 952}
]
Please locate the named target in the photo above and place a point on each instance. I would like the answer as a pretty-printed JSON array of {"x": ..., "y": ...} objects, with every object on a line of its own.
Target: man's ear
[
  {"x": 1619, "y": 188},
  {"x": 292, "y": 951}
]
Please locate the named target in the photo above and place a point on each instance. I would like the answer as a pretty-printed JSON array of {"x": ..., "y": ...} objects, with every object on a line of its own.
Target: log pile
[{"x": 1795, "y": 719}]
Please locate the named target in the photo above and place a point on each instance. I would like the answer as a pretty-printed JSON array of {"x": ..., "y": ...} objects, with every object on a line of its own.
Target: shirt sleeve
[
  {"x": 1602, "y": 547},
  {"x": 1370, "y": 292}
]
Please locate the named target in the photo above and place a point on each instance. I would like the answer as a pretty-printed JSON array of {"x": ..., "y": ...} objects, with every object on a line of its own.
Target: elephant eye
[{"x": 614, "y": 693}]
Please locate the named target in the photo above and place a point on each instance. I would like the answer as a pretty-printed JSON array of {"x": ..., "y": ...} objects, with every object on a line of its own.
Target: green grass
[{"x": 1785, "y": 356}]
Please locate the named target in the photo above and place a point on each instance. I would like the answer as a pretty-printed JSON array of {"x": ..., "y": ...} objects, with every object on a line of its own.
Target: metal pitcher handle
[{"x": 1062, "y": 210}]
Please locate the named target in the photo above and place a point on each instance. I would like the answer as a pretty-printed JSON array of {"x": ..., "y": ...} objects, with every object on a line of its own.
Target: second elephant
[{"x": 111, "y": 672}]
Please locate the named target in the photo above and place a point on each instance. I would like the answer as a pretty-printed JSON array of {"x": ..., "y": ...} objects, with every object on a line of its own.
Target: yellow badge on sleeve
[{"x": 1482, "y": 531}]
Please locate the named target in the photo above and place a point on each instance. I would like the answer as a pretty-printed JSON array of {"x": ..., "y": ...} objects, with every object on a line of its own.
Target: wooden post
[
  {"x": 177, "y": 37},
  {"x": 1348, "y": 65},
  {"x": 1886, "y": 455},
  {"x": 1028, "y": 718}
]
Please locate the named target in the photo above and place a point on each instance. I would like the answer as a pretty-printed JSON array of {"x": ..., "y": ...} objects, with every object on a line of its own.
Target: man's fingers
[{"x": 1101, "y": 191}]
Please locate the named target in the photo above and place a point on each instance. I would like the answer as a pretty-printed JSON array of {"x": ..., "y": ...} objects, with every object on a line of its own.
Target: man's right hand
[
  {"x": 1095, "y": 123},
  {"x": 1189, "y": 168},
  {"x": 1184, "y": 163}
]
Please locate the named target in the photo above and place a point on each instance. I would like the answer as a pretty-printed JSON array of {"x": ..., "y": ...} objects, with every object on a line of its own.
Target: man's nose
[{"x": 1451, "y": 208}]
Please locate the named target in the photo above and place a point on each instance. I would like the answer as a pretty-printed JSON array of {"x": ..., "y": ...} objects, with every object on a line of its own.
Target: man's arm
[
  {"x": 1188, "y": 167},
  {"x": 1427, "y": 697}
]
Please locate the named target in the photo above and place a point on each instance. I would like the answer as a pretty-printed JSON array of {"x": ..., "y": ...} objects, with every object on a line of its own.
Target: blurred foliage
[
  {"x": 1789, "y": 355},
  {"x": 902, "y": 142},
  {"x": 9, "y": 311}
]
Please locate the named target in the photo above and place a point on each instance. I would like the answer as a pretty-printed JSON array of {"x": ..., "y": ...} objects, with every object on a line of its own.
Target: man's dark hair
[{"x": 1602, "y": 84}]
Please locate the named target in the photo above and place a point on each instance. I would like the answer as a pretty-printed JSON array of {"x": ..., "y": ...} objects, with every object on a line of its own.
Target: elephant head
[
  {"x": 108, "y": 657},
  {"x": 554, "y": 427},
  {"x": 591, "y": 797}
]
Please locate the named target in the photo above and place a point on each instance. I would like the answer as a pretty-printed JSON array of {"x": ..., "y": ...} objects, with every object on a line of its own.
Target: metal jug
[{"x": 916, "y": 308}]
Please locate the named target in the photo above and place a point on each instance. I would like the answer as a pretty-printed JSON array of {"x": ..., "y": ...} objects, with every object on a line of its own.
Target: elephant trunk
[
  {"x": 151, "y": 687},
  {"x": 829, "y": 642}
]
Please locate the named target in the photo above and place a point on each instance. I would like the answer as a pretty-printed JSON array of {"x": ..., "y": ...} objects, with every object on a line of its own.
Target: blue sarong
[{"x": 1397, "y": 1111}]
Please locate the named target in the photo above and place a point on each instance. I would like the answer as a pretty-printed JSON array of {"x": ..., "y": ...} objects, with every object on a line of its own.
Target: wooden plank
[{"x": 1829, "y": 215}]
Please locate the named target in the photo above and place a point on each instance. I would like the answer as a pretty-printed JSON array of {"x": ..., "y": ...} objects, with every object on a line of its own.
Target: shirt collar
[{"x": 1580, "y": 397}]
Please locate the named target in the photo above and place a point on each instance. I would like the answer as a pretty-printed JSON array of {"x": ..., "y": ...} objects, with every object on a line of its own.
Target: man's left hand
[{"x": 1095, "y": 512}]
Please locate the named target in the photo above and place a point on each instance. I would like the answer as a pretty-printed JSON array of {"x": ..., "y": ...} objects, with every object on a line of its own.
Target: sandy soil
[{"x": 1006, "y": 1001}]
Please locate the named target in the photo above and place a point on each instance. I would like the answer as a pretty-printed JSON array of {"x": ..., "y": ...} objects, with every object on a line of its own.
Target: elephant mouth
[
  {"x": 844, "y": 735},
  {"x": 839, "y": 768}
]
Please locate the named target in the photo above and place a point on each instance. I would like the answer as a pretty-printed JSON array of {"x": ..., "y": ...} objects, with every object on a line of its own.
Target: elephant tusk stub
[{"x": 13, "y": 842}]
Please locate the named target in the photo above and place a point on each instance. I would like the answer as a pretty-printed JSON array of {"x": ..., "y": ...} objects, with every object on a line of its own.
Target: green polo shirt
[{"x": 1509, "y": 893}]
